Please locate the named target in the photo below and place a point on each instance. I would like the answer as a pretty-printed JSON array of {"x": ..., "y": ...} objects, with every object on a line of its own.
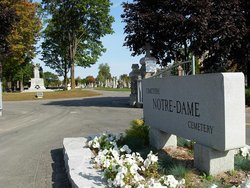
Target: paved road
[{"x": 31, "y": 135}]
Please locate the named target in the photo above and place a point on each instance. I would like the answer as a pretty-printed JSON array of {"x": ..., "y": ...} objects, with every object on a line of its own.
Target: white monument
[
  {"x": 208, "y": 109},
  {"x": 37, "y": 83}
]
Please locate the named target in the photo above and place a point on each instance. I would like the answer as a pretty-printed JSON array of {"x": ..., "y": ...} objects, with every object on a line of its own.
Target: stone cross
[{"x": 148, "y": 48}]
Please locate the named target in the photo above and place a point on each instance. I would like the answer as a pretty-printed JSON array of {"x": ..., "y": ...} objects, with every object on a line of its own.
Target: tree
[
  {"x": 103, "y": 73},
  {"x": 78, "y": 80},
  {"x": 51, "y": 79},
  {"x": 8, "y": 19},
  {"x": 125, "y": 78},
  {"x": 90, "y": 79},
  {"x": 21, "y": 39},
  {"x": 81, "y": 24},
  {"x": 23, "y": 75},
  {"x": 54, "y": 52},
  {"x": 174, "y": 29}
]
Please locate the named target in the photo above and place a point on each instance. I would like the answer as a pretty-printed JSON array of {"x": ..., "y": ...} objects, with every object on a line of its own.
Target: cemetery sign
[{"x": 208, "y": 108}]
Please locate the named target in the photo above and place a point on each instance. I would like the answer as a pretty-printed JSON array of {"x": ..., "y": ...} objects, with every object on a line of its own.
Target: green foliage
[
  {"x": 8, "y": 19},
  {"x": 79, "y": 25},
  {"x": 218, "y": 28},
  {"x": 103, "y": 73},
  {"x": 51, "y": 79},
  {"x": 247, "y": 94},
  {"x": 21, "y": 39},
  {"x": 178, "y": 171},
  {"x": 165, "y": 164},
  {"x": 205, "y": 177},
  {"x": 182, "y": 142},
  {"x": 137, "y": 136},
  {"x": 241, "y": 163}
]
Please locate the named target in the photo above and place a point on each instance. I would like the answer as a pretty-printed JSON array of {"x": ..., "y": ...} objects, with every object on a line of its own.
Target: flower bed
[
  {"x": 125, "y": 169},
  {"x": 115, "y": 165}
]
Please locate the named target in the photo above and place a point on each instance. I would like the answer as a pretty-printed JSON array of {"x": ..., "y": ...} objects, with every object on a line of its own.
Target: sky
[{"x": 117, "y": 56}]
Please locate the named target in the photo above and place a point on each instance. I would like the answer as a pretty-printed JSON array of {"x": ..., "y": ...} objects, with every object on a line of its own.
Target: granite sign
[{"x": 208, "y": 108}]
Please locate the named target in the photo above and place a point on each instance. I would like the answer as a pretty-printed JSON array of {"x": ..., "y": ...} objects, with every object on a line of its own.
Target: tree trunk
[
  {"x": 72, "y": 52},
  {"x": 72, "y": 79},
  {"x": 21, "y": 85}
]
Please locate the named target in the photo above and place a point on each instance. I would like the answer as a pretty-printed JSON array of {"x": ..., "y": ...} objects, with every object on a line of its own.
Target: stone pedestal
[
  {"x": 160, "y": 139},
  {"x": 213, "y": 161},
  {"x": 37, "y": 83}
]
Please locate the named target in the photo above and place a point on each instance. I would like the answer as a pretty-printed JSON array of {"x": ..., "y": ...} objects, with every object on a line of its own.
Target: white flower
[
  {"x": 96, "y": 145},
  {"x": 126, "y": 149},
  {"x": 106, "y": 163},
  {"x": 171, "y": 181},
  {"x": 213, "y": 186},
  {"x": 134, "y": 168},
  {"x": 244, "y": 151},
  {"x": 118, "y": 181},
  {"x": 137, "y": 177},
  {"x": 122, "y": 169},
  {"x": 146, "y": 163},
  {"x": 140, "y": 186},
  {"x": 153, "y": 158},
  {"x": 128, "y": 186}
]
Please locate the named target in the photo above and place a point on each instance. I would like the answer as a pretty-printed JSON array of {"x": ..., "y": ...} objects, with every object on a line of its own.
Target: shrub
[
  {"x": 137, "y": 136},
  {"x": 247, "y": 93},
  {"x": 242, "y": 163}
]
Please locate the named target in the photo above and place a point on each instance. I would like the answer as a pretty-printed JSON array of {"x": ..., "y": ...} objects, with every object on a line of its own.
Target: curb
[{"x": 80, "y": 170}]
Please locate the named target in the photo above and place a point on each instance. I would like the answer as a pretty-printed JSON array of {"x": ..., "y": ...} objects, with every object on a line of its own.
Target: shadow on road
[
  {"x": 121, "y": 102},
  {"x": 59, "y": 175}
]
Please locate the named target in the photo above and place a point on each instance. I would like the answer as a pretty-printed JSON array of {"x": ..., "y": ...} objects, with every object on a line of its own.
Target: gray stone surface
[
  {"x": 81, "y": 171},
  {"x": 31, "y": 135},
  {"x": 160, "y": 139},
  {"x": 207, "y": 108},
  {"x": 213, "y": 161}
]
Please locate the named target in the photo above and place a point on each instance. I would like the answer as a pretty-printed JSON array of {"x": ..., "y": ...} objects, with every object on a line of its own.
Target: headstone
[
  {"x": 39, "y": 95},
  {"x": 68, "y": 87},
  {"x": 134, "y": 76},
  {"x": 208, "y": 109}
]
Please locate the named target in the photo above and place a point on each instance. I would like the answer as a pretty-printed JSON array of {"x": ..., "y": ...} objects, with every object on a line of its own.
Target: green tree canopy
[
  {"x": 8, "y": 19},
  {"x": 21, "y": 39},
  {"x": 51, "y": 79},
  {"x": 103, "y": 73},
  {"x": 215, "y": 28},
  {"x": 80, "y": 24}
]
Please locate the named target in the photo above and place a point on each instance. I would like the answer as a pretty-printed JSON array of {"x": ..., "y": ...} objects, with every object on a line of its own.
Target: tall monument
[{"x": 37, "y": 83}]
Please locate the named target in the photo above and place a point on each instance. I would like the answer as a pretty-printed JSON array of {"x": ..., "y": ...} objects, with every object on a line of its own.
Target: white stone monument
[
  {"x": 208, "y": 109},
  {"x": 37, "y": 83}
]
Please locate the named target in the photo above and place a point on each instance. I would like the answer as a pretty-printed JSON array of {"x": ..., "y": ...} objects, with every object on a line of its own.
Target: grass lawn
[
  {"x": 114, "y": 89},
  {"x": 49, "y": 95}
]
